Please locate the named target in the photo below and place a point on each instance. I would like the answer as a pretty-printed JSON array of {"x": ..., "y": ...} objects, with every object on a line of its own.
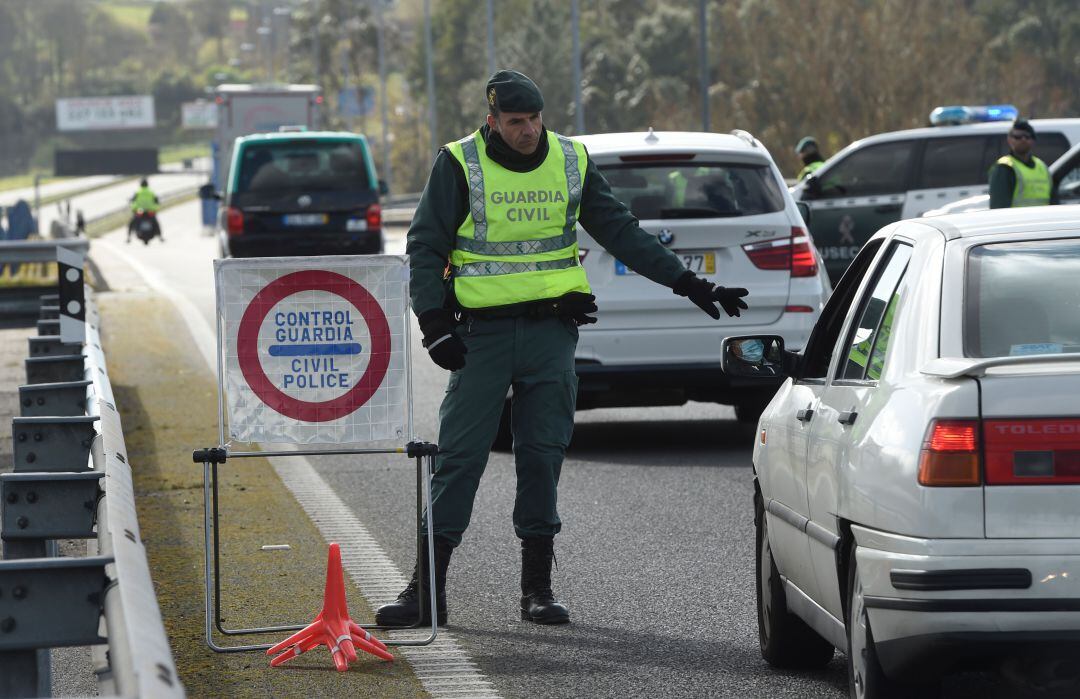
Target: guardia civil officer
[
  {"x": 1020, "y": 178},
  {"x": 498, "y": 214},
  {"x": 808, "y": 151}
]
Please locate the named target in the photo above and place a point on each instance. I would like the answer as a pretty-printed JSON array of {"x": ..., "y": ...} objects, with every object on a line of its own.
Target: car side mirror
[
  {"x": 811, "y": 188},
  {"x": 804, "y": 211},
  {"x": 384, "y": 188},
  {"x": 207, "y": 191},
  {"x": 757, "y": 357}
]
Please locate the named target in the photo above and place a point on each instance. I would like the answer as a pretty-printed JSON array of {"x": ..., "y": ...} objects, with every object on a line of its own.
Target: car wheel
[
  {"x": 504, "y": 438},
  {"x": 866, "y": 679},
  {"x": 785, "y": 639}
]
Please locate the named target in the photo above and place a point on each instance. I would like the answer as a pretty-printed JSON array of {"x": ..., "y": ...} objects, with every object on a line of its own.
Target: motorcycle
[{"x": 145, "y": 225}]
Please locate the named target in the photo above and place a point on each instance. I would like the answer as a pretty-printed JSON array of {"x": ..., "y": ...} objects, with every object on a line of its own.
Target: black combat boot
[
  {"x": 414, "y": 599},
  {"x": 537, "y": 601}
]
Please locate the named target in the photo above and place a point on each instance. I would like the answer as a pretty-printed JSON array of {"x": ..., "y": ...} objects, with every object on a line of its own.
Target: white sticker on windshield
[{"x": 1036, "y": 348}]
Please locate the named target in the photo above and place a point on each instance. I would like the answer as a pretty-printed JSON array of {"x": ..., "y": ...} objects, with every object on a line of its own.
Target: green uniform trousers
[{"x": 534, "y": 357}]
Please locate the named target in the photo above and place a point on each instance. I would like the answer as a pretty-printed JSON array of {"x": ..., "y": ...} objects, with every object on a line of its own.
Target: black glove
[
  {"x": 705, "y": 295},
  {"x": 576, "y": 306},
  {"x": 445, "y": 347}
]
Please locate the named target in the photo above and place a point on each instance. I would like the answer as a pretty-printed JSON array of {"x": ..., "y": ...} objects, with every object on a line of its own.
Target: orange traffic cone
[{"x": 332, "y": 627}]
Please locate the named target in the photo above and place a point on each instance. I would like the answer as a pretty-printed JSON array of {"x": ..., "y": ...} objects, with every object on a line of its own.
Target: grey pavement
[{"x": 655, "y": 559}]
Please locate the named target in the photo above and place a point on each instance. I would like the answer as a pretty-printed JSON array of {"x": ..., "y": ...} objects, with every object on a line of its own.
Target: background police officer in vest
[
  {"x": 808, "y": 152},
  {"x": 501, "y": 206},
  {"x": 1020, "y": 178}
]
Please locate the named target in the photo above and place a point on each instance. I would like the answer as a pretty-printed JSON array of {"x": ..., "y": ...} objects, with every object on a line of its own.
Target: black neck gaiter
[{"x": 499, "y": 151}]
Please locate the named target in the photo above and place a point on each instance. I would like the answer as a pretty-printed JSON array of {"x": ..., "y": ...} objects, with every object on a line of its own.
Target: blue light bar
[{"x": 953, "y": 115}]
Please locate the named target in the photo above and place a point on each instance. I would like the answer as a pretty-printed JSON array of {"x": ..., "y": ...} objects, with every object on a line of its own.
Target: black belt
[{"x": 532, "y": 309}]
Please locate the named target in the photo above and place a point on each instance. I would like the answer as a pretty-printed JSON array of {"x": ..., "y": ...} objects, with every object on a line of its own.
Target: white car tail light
[
  {"x": 950, "y": 454},
  {"x": 794, "y": 254}
]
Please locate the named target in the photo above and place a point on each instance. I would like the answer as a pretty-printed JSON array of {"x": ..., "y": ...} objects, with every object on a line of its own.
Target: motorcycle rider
[{"x": 144, "y": 200}]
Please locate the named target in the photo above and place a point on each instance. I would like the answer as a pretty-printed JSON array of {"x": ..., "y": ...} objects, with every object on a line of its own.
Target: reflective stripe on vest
[
  {"x": 1032, "y": 183},
  {"x": 521, "y": 224}
]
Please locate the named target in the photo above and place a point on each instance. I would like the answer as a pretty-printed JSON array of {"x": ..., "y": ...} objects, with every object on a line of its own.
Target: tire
[
  {"x": 866, "y": 679},
  {"x": 504, "y": 438},
  {"x": 786, "y": 641}
]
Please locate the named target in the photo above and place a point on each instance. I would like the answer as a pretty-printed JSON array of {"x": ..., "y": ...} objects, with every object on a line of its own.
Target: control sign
[{"x": 314, "y": 349}]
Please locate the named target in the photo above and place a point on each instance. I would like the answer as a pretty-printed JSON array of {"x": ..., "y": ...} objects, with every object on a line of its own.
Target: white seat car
[
  {"x": 720, "y": 203},
  {"x": 917, "y": 476}
]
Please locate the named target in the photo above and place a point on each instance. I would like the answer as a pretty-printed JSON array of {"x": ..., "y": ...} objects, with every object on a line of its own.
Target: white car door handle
[
  {"x": 847, "y": 417},
  {"x": 804, "y": 415}
]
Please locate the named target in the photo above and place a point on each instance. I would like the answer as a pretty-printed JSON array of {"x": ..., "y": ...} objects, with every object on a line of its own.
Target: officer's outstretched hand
[
  {"x": 442, "y": 343},
  {"x": 706, "y": 295},
  {"x": 577, "y": 306}
]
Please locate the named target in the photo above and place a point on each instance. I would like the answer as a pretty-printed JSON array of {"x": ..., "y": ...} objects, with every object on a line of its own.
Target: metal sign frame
[{"x": 211, "y": 457}]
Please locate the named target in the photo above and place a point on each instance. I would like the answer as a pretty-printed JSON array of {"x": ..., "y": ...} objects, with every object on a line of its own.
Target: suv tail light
[
  {"x": 234, "y": 221},
  {"x": 950, "y": 454},
  {"x": 1032, "y": 451},
  {"x": 373, "y": 217},
  {"x": 794, "y": 254}
]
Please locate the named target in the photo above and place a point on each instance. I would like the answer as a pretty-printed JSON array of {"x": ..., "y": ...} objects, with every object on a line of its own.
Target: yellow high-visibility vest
[
  {"x": 519, "y": 241},
  {"x": 1033, "y": 184},
  {"x": 144, "y": 199},
  {"x": 809, "y": 169}
]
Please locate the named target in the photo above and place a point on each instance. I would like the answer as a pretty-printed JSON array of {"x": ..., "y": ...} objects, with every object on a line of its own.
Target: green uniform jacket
[{"x": 445, "y": 204}]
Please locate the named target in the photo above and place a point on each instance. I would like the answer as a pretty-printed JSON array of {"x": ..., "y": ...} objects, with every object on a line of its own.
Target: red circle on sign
[{"x": 247, "y": 345}]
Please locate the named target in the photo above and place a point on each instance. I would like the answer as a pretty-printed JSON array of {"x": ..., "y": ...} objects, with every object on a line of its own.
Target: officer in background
[
  {"x": 498, "y": 214},
  {"x": 143, "y": 200},
  {"x": 1020, "y": 178},
  {"x": 807, "y": 150}
]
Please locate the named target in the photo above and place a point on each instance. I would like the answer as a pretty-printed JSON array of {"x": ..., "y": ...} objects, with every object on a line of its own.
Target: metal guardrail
[{"x": 72, "y": 479}]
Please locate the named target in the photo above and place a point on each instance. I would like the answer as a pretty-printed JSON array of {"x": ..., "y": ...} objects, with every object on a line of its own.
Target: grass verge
[{"x": 168, "y": 404}]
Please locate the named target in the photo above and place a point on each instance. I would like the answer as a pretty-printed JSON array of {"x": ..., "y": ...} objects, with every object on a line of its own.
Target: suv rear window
[
  {"x": 1023, "y": 298},
  {"x": 302, "y": 165},
  {"x": 700, "y": 190}
]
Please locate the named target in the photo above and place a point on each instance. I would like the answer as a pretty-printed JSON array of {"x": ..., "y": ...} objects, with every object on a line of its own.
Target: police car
[
  {"x": 892, "y": 176},
  {"x": 719, "y": 202}
]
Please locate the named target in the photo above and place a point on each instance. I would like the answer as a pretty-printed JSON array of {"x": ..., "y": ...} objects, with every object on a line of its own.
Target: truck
[{"x": 243, "y": 110}]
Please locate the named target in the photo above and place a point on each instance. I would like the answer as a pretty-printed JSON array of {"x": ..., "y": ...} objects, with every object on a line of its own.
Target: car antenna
[{"x": 651, "y": 137}]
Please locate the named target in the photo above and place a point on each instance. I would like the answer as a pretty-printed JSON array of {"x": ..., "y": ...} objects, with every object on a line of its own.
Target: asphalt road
[{"x": 656, "y": 556}]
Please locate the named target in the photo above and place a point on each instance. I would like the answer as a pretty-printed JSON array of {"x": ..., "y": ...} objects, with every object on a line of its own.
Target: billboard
[
  {"x": 199, "y": 114},
  {"x": 102, "y": 113}
]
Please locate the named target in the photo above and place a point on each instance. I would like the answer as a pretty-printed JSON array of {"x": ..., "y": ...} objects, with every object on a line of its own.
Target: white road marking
[{"x": 443, "y": 667}]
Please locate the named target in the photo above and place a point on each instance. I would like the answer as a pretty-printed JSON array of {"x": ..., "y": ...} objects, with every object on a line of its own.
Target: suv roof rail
[{"x": 746, "y": 136}]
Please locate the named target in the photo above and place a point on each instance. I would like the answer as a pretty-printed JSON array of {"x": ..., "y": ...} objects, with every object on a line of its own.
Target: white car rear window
[
  {"x": 1023, "y": 298},
  {"x": 658, "y": 190}
]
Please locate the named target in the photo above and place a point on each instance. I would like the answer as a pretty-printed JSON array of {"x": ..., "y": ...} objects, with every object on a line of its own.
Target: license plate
[
  {"x": 306, "y": 219},
  {"x": 695, "y": 261}
]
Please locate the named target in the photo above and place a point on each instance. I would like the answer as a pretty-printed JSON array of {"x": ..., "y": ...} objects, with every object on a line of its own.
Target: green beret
[{"x": 511, "y": 91}]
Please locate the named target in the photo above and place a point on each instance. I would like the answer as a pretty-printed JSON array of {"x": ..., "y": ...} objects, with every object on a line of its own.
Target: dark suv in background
[{"x": 301, "y": 193}]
